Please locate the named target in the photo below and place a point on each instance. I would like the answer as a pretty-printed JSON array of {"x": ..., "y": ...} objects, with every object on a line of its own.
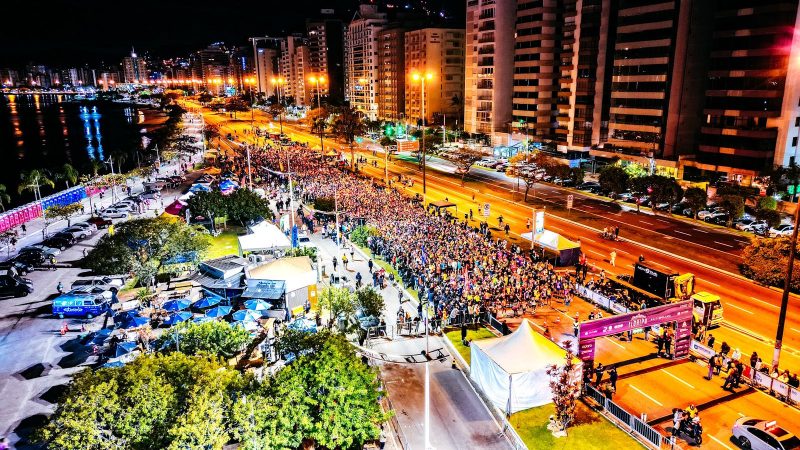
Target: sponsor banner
[
  {"x": 586, "y": 349},
  {"x": 780, "y": 388},
  {"x": 794, "y": 396},
  {"x": 617, "y": 308},
  {"x": 762, "y": 380},
  {"x": 701, "y": 351},
  {"x": 680, "y": 312}
]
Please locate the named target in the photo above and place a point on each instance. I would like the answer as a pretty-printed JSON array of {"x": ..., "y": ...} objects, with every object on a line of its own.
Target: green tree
[
  {"x": 64, "y": 212},
  {"x": 33, "y": 181},
  {"x": 522, "y": 166},
  {"x": 770, "y": 216},
  {"x": 766, "y": 260},
  {"x": 4, "y": 197},
  {"x": 333, "y": 397},
  {"x": 236, "y": 104},
  {"x": 339, "y": 303},
  {"x": 696, "y": 199},
  {"x": 767, "y": 202},
  {"x": 370, "y": 301},
  {"x": 68, "y": 174},
  {"x": 464, "y": 158},
  {"x": 733, "y": 206},
  {"x": 360, "y": 234},
  {"x": 214, "y": 337},
  {"x": 154, "y": 402},
  {"x": 613, "y": 179},
  {"x": 210, "y": 131},
  {"x": 143, "y": 246},
  {"x": 205, "y": 98},
  {"x": 387, "y": 141},
  {"x": 243, "y": 205},
  {"x": 348, "y": 125}
]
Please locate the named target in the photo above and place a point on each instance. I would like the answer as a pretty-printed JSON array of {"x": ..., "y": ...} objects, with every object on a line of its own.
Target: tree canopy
[
  {"x": 143, "y": 246},
  {"x": 242, "y": 205},
  {"x": 464, "y": 159},
  {"x": 766, "y": 260},
  {"x": 696, "y": 199},
  {"x": 218, "y": 338},
  {"x": 64, "y": 212},
  {"x": 613, "y": 179}
]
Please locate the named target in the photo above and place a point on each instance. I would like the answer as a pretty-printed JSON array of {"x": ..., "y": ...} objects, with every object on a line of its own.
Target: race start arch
[{"x": 679, "y": 314}]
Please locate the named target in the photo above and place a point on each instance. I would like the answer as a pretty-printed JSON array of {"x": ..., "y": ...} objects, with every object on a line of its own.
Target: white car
[
  {"x": 784, "y": 229},
  {"x": 104, "y": 282},
  {"x": 90, "y": 227},
  {"x": 707, "y": 212},
  {"x": 124, "y": 204},
  {"x": 78, "y": 233},
  {"x": 757, "y": 434},
  {"x": 114, "y": 213}
]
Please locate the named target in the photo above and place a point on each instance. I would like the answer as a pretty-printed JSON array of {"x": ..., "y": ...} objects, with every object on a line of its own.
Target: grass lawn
[
  {"x": 224, "y": 244},
  {"x": 590, "y": 431},
  {"x": 475, "y": 335}
]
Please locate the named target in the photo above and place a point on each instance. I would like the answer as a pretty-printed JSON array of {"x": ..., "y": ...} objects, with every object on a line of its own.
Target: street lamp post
[
  {"x": 317, "y": 80},
  {"x": 421, "y": 78}
]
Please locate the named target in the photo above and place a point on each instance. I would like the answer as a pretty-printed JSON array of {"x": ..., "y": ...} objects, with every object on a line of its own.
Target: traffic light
[{"x": 389, "y": 131}]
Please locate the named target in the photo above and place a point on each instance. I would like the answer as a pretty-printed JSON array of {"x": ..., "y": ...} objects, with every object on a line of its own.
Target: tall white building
[
  {"x": 266, "y": 70},
  {"x": 295, "y": 68},
  {"x": 134, "y": 69},
  {"x": 361, "y": 59},
  {"x": 489, "y": 67}
]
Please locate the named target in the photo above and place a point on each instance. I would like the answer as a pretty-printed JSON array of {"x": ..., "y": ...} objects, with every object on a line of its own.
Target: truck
[{"x": 672, "y": 286}]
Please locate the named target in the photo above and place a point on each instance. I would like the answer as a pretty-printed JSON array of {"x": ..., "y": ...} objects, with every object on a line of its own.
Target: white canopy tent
[
  {"x": 263, "y": 236},
  {"x": 512, "y": 370}
]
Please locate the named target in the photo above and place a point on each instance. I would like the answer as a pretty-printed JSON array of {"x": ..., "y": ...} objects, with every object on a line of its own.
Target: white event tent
[
  {"x": 512, "y": 370},
  {"x": 263, "y": 236}
]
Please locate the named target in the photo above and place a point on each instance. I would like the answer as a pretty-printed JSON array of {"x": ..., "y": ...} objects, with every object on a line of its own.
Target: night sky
[{"x": 71, "y": 33}]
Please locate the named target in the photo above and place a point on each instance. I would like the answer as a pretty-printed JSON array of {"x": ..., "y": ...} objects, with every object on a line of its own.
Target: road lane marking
[
  {"x": 597, "y": 253},
  {"x": 673, "y": 376},
  {"x": 681, "y": 232},
  {"x": 585, "y": 238},
  {"x": 647, "y": 396},
  {"x": 720, "y": 442},
  {"x": 649, "y": 223},
  {"x": 559, "y": 229},
  {"x": 766, "y": 303},
  {"x": 700, "y": 231},
  {"x": 709, "y": 282},
  {"x": 795, "y": 330},
  {"x": 662, "y": 220},
  {"x": 722, "y": 243},
  {"x": 739, "y": 308},
  {"x": 615, "y": 343}
]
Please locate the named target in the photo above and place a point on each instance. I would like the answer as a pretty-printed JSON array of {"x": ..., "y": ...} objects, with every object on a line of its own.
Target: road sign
[
  {"x": 538, "y": 221},
  {"x": 486, "y": 209},
  {"x": 570, "y": 198}
]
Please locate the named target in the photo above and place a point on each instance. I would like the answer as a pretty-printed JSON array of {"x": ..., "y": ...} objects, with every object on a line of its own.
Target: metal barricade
[
  {"x": 646, "y": 431},
  {"x": 618, "y": 412}
]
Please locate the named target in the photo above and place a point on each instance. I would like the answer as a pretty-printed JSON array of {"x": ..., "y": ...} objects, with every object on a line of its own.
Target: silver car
[{"x": 758, "y": 434}]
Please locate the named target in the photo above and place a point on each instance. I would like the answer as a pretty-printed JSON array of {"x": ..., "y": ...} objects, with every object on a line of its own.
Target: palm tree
[
  {"x": 348, "y": 125},
  {"x": 4, "y": 197},
  {"x": 33, "y": 181},
  {"x": 69, "y": 174}
]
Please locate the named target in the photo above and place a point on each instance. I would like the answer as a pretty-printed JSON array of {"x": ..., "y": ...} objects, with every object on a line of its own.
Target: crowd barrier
[
  {"x": 601, "y": 300},
  {"x": 28, "y": 212},
  {"x": 759, "y": 380},
  {"x": 627, "y": 421}
]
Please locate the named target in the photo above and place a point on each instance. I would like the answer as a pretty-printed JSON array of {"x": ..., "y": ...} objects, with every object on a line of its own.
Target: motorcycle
[{"x": 692, "y": 429}]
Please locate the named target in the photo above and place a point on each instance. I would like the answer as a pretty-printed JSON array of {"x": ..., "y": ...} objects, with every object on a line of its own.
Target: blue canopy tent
[
  {"x": 176, "y": 305},
  {"x": 207, "y": 302},
  {"x": 219, "y": 311},
  {"x": 177, "y": 318},
  {"x": 245, "y": 315},
  {"x": 123, "y": 348}
]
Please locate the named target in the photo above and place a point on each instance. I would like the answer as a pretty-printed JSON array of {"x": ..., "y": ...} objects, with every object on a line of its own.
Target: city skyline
[{"x": 101, "y": 33}]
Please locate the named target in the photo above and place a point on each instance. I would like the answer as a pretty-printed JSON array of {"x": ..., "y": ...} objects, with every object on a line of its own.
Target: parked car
[
  {"x": 150, "y": 195},
  {"x": 20, "y": 267},
  {"x": 48, "y": 251},
  {"x": 66, "y": 236},
  {"x": 90, "y": 227},
  {"x": 784, "y": 229},
  {"x": 744, "y": 224},
  {"x": 718, "y": 219},
  {"x": 35, "y": 253},
  {"x": 31, "y": 259},
  {"x": 79, "y": 233},
  {"x": 711, "y": 217},
  {"x": 114, "y": 213},
  {"x": 626, "y": 196},
  {"x": 80, "y": 304},
  {"x": 758, "y": 434},
  {"x": 102, "y": 281},
  {"x": 99, "y": 222},
  {"x": 702, "y": 214},
  {"x": 57, "y": 242},
  {"x": 589, "y": 186},
  {"x": 127, "y": 205},
  {"x": 15, "y": 285}
]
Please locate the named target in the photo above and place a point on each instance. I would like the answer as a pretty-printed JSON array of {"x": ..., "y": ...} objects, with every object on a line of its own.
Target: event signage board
[
  {"x": 570, "y": 199},
  {"x": 763, "y": 380},
  {"x": 680, "y": 313},
  {"x": 487, "y": 208},
  {"x": 538, "y": 221},
  {"x": 794, "y": 396}
]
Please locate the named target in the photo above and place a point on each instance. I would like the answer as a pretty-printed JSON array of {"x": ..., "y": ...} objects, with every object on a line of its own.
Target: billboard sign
[
  {"x": 680, "y": 313},
  {"x": 538, "y": 221}
]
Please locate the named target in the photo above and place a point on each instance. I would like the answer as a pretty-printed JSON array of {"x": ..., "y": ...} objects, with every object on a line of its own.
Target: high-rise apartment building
[
  {"x": 751, "y": 116},
  {"x": 134, "y": 69},
  {"x": 266, "y": 61},
  {"x": 489, "y": 67},
  {"x": 439, "y": 51},
  {"x": 326, "y": 52},
  {"x": 212, "y": 66},
  {"x": 295, "y": 69},
  {"x": 392, "y": 75},
  {"x": 361, "y": 59}
]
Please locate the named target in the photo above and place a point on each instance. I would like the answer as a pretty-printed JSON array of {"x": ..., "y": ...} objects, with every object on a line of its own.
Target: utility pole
[{"x": 787, "y": 284}]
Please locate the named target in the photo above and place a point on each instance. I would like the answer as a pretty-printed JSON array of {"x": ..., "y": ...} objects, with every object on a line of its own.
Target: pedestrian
[
  {"x": 730, "y": 380},
  {"x": 382, "y": 439},
  {"x": 335, "y": 263},
  {"x": 753, "y": 360},
  {"x": 575, "y": 327},
  {"x": 598, "y": 374},
  {"x": 612, "y": 377},
  {"x": 613, "y": 258},
  {"x": 508, "y": 228},
  {"x": 725, "y": 348},
  {"x": 711, "y": 363},
  {"x": 370, "y": 264},
  {"x": 528, "y": 223},
  {"x": 60, "y": 287},
  {"x": 616, "y": 233},
  {"x": 711, "y": 340},
  {"x": 24, "y": 229},
  {"x": 464, "y": 332},
  {"x": 677, "y": 418}
]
